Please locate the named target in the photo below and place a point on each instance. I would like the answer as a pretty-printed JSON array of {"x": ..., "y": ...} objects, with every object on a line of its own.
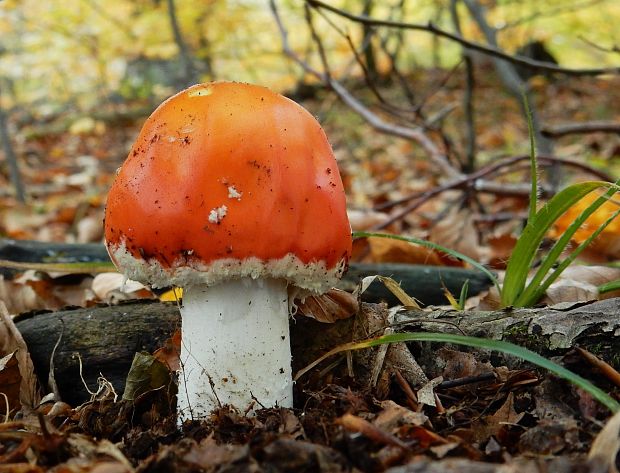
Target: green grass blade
[
  {"x": 75, "y": 268},
  {"x": 540, "y": 290},
  {"x": 498, "y": 345},
  {"x": 609, "y": 286},
  {"x": 434, "y": 246},
  {"x": 527, "y": 245},
  {"x": 556, "y": 251},
  {"x": 533, "y": 161},
  {"x": 463, "y": 296}
]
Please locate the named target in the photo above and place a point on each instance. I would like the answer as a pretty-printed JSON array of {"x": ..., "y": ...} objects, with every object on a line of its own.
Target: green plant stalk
[
  {"x": 498, "y": 345},
  {"x": 542, "y": 288},
  {"x": 609, "y": 286},
  {"x": 533, "y": 160},
  {"x": 92, "y": 267},
  {"x": 463, "y": 295},
  {"x": 527, "y": 245},
  {"x": 559, "y": 246},
  {"x": 435, "y": 246}
]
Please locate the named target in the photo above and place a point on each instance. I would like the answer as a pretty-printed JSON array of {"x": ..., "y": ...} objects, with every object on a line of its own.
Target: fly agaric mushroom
[{"x": 232, "y": 192}]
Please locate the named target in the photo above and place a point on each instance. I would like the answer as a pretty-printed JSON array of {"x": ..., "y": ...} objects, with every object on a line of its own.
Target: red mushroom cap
[{"x": 229, "y": 180}]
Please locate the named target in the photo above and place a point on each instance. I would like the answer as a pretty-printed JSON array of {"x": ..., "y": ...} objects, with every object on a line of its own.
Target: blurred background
[{"x": 429, "y": 94}]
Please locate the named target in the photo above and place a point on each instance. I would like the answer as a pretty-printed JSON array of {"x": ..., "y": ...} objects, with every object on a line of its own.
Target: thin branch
[
  {"x": 485, "y": 49},
  {"x": 414, "y": 134},
  {"x": 581, "y": 128},
  {"x": 476, "y": 182},
  {"x": 468, "y": 97}
]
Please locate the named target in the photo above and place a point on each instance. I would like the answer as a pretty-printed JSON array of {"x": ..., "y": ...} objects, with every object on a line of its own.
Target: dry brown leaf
[
  {"x": 426, "y": 394},
  {"x": 366, "y": 219},
  {"x": 393, "y": 415},
  {"x": 334, "y": 305},
  {"x": 385, "y": 250},
  {"x": 606, "y": 445},
  {"x": 170, "y": 353},
  {"x": 89, "y": 229},
  {"x": 107, "y": 285},
  {"x": 10, "y": 381},
  {"x": 11, "y": 341},
  {"x": 488, "y": 426},
  {"x": 457, "y": 231},
  {"x": 580, "y": 283},
  {"x": 500, "y": 249},
  {"x": 18, "y": 297}
]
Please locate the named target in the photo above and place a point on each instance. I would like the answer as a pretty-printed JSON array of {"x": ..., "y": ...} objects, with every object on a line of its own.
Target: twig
[
  {"x": 580, "y": 128},
  {"x": 475, "y": 181},
  {"x": 470, "y": 179},
  {"x": 51, "y": 378},
  {"x": 485, "y": 49},
  {"x": 414, "y": 134}
]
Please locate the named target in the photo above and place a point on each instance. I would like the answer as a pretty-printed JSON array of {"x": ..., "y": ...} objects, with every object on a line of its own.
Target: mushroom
[{"x": 232, "y": 192}]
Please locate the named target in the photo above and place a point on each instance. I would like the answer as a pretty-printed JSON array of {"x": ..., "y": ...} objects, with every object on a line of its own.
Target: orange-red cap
[{"x": 229, "y": 180}]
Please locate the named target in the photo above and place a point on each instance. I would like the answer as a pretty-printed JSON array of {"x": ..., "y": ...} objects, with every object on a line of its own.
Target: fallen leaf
[
  {"x": 488, "y": 426},
  {"x": 608, "y": 242},
  {"x": 387, "y": 250},
  {"x": 108, "y": 285},
  {"x": 146, "y": 374},
  {"x": 334, "y": 305},
  {"x": 580, "y": 283},
  {"x": 18, "y": 297},
  {"x": 606, "y": 445},
  {"x": 426, "y": 394},
  {"x": 10, "y": 381},
  {"x": 11, "y": 341},
  {"x": 457, "y": 231}
]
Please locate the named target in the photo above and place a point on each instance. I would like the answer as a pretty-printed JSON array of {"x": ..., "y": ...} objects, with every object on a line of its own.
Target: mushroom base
[{"x": 235, "y": 347}]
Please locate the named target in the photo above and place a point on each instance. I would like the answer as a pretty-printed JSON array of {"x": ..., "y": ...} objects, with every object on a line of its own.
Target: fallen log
[
  {"x": 104, "y": 339},
  {"x": 425, "y": 283}
]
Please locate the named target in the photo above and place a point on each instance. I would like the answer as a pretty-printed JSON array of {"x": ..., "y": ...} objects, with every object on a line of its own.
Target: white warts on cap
[
  {"x": 217, "y": 214},
  {"x": 233, "y": 193}
]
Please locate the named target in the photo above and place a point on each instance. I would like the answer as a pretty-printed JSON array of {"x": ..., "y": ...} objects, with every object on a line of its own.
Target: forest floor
[{"x": 493, "y": 417}]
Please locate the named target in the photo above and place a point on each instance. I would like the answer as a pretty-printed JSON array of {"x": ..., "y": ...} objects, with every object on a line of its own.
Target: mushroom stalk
[{"x": 235, "y": 347}]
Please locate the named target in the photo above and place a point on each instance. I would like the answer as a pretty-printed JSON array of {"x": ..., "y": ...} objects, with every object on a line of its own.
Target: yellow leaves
[
  {"x": 608, "y": 242},
  {"x": 172, "y": 295}
]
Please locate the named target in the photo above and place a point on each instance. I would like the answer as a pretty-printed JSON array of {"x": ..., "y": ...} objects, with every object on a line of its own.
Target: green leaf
[
  {"x": 146, "y": 374},
  {"x": 498, "y": 345},
  {"x": 74, "y": 268},
  {"x": 530, "y": 297},
  {"x": 534, "y": 290},
  {"x": 533, "y": 161},
  {"x": 527, "y": 245},
  {"x": 609, "y": 286}
]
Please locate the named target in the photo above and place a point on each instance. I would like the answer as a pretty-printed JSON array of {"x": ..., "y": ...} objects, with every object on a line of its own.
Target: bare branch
[
  {"x": 477, "y": 182},
  {"x": 581, "y": 128},
  {"x": 415, "y": 134},
  {"x": 485, "y": 49}
]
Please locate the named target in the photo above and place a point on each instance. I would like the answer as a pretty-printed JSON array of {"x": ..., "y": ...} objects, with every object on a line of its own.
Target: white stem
[{"x": 235, "y": 347}]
